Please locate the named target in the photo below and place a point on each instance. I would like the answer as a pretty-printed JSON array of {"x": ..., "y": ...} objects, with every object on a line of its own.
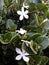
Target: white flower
[
  {"x": 44, "y": 2},
  {"x": 23, "y": 14},
  {"x": 21, "y": 31},
  {"x": 26, "y": 42},
  {"x": 16, "y": 1},
  {"x": 22, "y": 55},
  {"x": 25, "y": 6}
]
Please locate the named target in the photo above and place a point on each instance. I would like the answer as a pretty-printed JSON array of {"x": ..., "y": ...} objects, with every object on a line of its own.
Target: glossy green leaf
[
  {"x": 41, "y": 60},
  {"x": 33, "y": 36},
  {"x": 42, "y": 7},
  {"x": 0, "y": 19},
  {"x": 10, "y": 25},
  {"x": 34, "y": 47},
  {"x": 7, "y": 38},
  {"x": 43, "y": 41}
]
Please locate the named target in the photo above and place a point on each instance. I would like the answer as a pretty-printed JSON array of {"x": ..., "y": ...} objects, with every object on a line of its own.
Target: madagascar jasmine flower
[
  {"x": 44, "y": 2},
  {"x": 25, "y": 6},
  {"x": 22, "y": 55},
  {"x": 26, "y": 42},
  {"x": 16, "y": 1},
  {"x": 23, "y": 14},
  {"x": 21, "y": 31}
]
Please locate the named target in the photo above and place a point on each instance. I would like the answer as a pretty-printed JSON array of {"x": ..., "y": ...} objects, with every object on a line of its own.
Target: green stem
[{"x": 36, "y": 18}]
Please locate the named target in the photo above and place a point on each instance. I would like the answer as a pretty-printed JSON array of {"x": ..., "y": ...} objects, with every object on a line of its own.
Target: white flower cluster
[
  {"x": 23, "y": 13},
  {"x": 22, "y": 54}
]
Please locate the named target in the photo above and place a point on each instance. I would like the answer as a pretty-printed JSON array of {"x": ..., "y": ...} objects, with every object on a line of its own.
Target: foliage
[{"x": 36, "y": 27}]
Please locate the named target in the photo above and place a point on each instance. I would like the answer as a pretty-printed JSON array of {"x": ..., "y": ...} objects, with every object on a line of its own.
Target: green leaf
[
  {"x": 43, "y": 42},
  {"x": 36, "y": 18},
  {"x": 32, "y": 8},
  {"x": 34, "y": 47},
  {"x": 7, "y": 38},
  {"x": 44, "y": 60},
  {"x": 33, "y": 1},
  {"x": 21, "y": 62},
  {"x": 33, "y": 36},
  {"x": 27, "y": 49},
  {"x": 26, "y": 2},
  {"x": 10, "y": 25},
  {"x": 13, "y": 27},
  {"x": 42, "y": 7},
  {"x": 18, "y": 5},
  {"x": 38, "y": 60},
  {"x": 0, "y": 19},
  {"x": 41, "y": 60},
  {"x": 6, "y": 3},
  {"x": 1, "y": 4},
  {"x": 31, "y": 46},
  {"x": 47, "y": 14}
]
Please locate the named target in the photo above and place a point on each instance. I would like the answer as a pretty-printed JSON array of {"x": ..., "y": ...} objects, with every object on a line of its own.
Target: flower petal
[
  {"x": 26, "y": 42},
  {"x": 17, "y": 31},
  {"x": 19, "y": 12},
  {"x": 16, "y": 1},
  {"x": 22, "y": 9},
  {"x": 21, "y": 17},
  {"x": 26, "y": 54},
  {"x": 22, "y": 31},
  {"x": 18, "y": 57},
  {"x": 25, "y": 6},
  {"x": 26, "y": 16},
  {"x": 18, "y": 51},
  {"x": 26, "y": 59},
  {"x": 26, "y": 12}
]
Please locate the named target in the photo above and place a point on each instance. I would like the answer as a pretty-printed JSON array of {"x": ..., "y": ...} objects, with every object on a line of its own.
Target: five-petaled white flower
[
  {"x": 25, "y": 6},
  {"x": 23, "y": 14},
  {"x": 26, "y": 42},
  {"x": 22, "y": 55},
  {"x": 21, "y": 31}
]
